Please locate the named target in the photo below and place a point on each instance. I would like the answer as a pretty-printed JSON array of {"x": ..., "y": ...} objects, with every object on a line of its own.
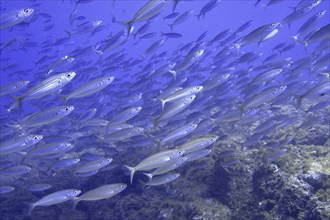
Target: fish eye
[
  {"x": 76, "y": 192},
  {"x": 273, "y": 25},
  {"x": 26, "y": 10},
  {"x": 109, "y": 78},
  {"x": 281, "y": 87},
  {"x": 122, "y": 186},
  {"x": 66, "y": 109},
  {"x": 35, "y": 138},
  {"x": 68, "y": 75}
]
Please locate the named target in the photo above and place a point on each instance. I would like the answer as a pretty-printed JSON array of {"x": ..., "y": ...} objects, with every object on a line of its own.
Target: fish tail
[
  {"x": 31, "y": 207},
  {"x": 198, "y": 16},
  {"x": 64, "y": 98},
  {"x": 171, "y": 27},
  {"x": 68, "y": 33},
  {"x": 149, "y": 175},
  {"x": 132, "y": 171},
  {"x": 129, "y": 27},
  {"x": 19, "y": 103},
  {"x": 295, "y": 38},
  {"x": 155, "y": 122},
  {"x": 163, "y": 103},
  {"x": 237, "y": 47},
  {"x": 298, "y": 101},
  {"x": 173, "y": 73}
]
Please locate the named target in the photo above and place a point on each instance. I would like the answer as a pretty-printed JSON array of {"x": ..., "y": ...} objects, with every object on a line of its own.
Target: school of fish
[{"x": 81, "y": 111}]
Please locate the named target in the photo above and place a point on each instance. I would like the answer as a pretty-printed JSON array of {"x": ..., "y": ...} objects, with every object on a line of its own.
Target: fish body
[
  {"x": 14, "y": 17},
  {"x": 13, "y": 87},
  {"x": 93, "y": 165},
  {"x": 90, "y": 88},
  {"x": 174, "y": 109},
  {"x": 154, "y": 161},
  {"x": 19, "y": 144},
  {"x": 198, "y": 144},
  {"x": 55, "y": 198},
  {"x": 46, "y": 117},
  {"x": 163, "y": 179},
  {"x": 48, "y": 86},
  {"x": 102, "y": 192}
]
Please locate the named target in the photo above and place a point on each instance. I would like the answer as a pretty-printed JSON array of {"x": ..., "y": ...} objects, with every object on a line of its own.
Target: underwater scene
[{"x": 165, "y": 109}]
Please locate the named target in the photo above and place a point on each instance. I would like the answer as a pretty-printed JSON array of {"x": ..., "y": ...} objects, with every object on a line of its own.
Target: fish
[
  {"x": 15, "y": 171},
  {"x": 179, "y": 133},
  {"x": 150, "y": 9},
  {"x": 182, "y": 93},
  {"x": 38, "y": 187},
  {"x": 101, "y": 192},
  {"x": 168, "y": 167},
  {"x": 259, "y": 35},
  {"x": 55, "y": 198},
  {"x": 89, "y": 88},
  {"x": 163, "y": 179},
  {"x": 93, "y": 165},
  {"x": 126, "y": 115},
  {"x": 189, "y": 60},
  {"x": 309, "y": 24},
  {"x": 45, "y": 117},
  {"x": 11, "y": 18},
  {"x": 63, "y": 163},
  {"x": 208, "y": 7},
  {"x": 19, "y": 144},
  {"x": 195, "y": 155},
  {"x": 154, "y": 161},
  {"x": 6, "y": 189},
  {"x": 198, "y": 144},
  {"x": 46, "y": 87},
  {"x": 300, "y": 13},
  {"x": 174, "y": 109},
  {"x": 13, "y": 87},
  {"x": 183, "y": 17}
]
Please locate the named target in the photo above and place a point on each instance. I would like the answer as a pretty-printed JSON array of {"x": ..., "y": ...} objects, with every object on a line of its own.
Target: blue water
[{"x": 257, "y": 121}]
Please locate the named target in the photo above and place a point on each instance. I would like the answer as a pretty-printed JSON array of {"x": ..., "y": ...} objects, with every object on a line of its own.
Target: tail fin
[
  {"x": 129, "y": 27},
  {"x": 155, "y": 122},
  {"x": 171, "y": 26},
  {"x": 65, "y": 98},
  {"x": 163, "y": 103},
  {"x": 31, "y": 207},
  {"x": 19, "y": 103},
  {"x": 149, "y": 175},
  {"x": 132, "y": 171},
  {"x": 295, "y": 38},
  {"x": 173, "y": 73}
]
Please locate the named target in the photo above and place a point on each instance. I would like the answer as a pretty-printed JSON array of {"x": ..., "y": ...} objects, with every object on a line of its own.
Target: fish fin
[
  {"x": 64, "y": 98},
  {"x": 31, "y": 207},
  {"x": 155, "y": 122},
  {"x": 129, "y": 27},
  {"x": 173, "y": 73},
  {"x": 171, "y": 26},
  {"x": 295, "y": 38},
  {"x": 264, "y": 6},
  {"x": 75, "y": 202},
  {"x": 132, "y": 171},
  {"x": 163, "y": 103},
  {"x": 19, "y": 103},
  {"x": 149, "y": 175},
  {"x": 298, "y": 101},
  {"x": 237, "y": 47}
]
